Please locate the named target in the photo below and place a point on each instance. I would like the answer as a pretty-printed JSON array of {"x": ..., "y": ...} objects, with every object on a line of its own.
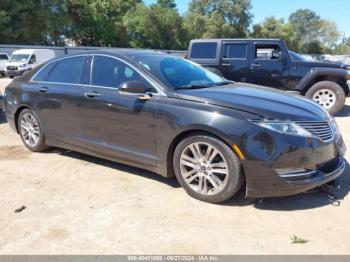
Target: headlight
[
  {"x": 287, "y": 128},
  {"x": 335, "y": 126},
  {"x": 24, "y": 65}
]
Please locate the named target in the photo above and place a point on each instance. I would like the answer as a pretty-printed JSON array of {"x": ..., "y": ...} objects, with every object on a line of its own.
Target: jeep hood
[
  {"x": 323, "y": 64},
  {"x": 262, "y": 101}
]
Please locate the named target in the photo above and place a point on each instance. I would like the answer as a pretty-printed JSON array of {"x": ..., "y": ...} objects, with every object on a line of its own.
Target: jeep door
[
  {"x": 235, "y": 61},
  {"x": 269, "y": 65}
]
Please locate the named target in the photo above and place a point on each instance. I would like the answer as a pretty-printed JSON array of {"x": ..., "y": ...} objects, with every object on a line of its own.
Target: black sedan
[{"x": 173, "y": 117}]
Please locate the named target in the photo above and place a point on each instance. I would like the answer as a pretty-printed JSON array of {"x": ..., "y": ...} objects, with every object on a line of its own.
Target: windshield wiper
[
  {"x": 198, "y": 86},
  {"x": 224, "y": 83},
  {"x": 195, "y": 86}
]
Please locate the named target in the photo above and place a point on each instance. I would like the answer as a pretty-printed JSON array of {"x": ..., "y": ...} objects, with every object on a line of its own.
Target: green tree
[
  {"x": 329, "y": 35},
  {"x": 343, "y": 48},
  {"x": 218, "y": 18},
  {"x": 158, "y": 26},
  {"x": 167, "y": 4},
  {"x": 99, "y": 22},
  {"x": 272, "y": 27},
  {"x": 313, "y": 34},
  {"x": 32, "y": 21}
]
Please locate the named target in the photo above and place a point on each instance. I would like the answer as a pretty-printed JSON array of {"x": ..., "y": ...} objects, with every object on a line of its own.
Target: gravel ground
[{"x": 77, "y": 204}]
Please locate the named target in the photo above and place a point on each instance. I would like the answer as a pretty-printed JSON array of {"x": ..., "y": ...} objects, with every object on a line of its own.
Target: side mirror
[{"x": 135, "y": 88}]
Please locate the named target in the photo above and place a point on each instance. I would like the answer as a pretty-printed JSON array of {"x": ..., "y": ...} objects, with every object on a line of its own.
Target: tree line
[{"x": 132, "y": 23}]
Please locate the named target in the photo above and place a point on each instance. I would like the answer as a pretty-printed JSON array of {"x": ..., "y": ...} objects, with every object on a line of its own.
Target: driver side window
[
  {"x": 32, "y": 60},
  {"x": 110, "y": 72},
  {"x": 267, "y": 52}
]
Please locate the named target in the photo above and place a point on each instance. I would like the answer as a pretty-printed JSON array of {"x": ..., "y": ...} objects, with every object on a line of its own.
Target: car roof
[
  {"x": 235, "y": 39},
  {"x": 121, "y": 52}
]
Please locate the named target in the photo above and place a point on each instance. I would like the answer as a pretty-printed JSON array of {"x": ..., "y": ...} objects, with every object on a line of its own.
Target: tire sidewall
[
  {"x": 41, "y": 145},
  {"x": 234, "y": 182},
  {"x": 334, "y": 87}
]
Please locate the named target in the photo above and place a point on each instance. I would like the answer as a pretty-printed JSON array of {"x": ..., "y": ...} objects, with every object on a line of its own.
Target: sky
[{"x": 337, "y": 11}]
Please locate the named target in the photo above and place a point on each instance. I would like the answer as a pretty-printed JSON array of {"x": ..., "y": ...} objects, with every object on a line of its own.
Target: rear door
[
  {"x": 235, "y": 61},
  {"x": 269, "y": 66},
  {"x": 59, "y": 93}
]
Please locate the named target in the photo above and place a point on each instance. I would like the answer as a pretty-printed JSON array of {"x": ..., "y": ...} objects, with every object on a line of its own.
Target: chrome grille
[
  {"x": 12, "y": 68},
  {"x": 322, "y": 130}
]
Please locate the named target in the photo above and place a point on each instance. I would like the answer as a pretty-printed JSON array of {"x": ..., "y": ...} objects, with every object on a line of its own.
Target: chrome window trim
[
  {"x": 54, "y": 61},
  {"x": 156, "y": 86}
]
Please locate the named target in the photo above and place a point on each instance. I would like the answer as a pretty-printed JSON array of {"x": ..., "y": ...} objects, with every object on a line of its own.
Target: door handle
[
  {"x": 226, "y": 64},
  {"x": 92, "y": 94},
  {"x": 43, "y": 89},
  {"x": 255, "y": 66}
]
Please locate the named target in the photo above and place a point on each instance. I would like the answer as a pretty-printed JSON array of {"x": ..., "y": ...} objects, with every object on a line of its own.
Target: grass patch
[{"x": 298, "y": 240}]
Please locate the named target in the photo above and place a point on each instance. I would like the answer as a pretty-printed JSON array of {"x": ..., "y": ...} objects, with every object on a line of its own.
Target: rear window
[
  {"x": 204, "y": 50},
  {"x": 235, "y": 51},
  {"x": 68, "y": 71},
  {"x": 44, "y": 73}
]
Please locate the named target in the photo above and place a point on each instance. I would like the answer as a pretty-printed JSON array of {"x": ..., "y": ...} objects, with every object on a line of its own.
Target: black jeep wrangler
[{"x": 268, "y": 62}]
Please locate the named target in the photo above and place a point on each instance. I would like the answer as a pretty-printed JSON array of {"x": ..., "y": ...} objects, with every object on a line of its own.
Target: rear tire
[
  {"x": 329, "y": 95},
  {"x": 30, "y": 131},
  {"x": 207, "y": 169}
]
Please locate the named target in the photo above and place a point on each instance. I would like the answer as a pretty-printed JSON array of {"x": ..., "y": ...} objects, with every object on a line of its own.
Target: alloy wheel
[
  {"x": 204, "y": 168},
  {"x": 30, "y": 130}
]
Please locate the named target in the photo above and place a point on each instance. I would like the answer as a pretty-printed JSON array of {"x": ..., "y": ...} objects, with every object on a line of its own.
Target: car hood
[
  {"x": 323, "y": 64},
  {"x": 262, "y": 101}
]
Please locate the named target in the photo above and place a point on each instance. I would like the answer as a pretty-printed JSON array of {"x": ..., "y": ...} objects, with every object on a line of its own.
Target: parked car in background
[
  {"x": 23, "y": 60},
  {"x": 268, "y": 62},
  {"x": 3, "y": 60},
  {"x": 171, "y": 116}
]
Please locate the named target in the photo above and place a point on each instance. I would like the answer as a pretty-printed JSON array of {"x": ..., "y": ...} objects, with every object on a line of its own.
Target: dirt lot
[{"x": 76, "y": 204}]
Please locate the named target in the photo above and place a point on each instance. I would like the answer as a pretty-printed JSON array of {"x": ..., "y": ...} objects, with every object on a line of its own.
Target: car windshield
[
  {"x": 296, "y": 56},
  {"x": 19, "y": 58},
  {"x": 179, "y": 73},
  {"x": 3, "y": 57}
]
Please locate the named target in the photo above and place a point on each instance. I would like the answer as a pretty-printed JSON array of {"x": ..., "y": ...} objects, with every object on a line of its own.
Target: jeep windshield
[
  {"x": 297, "y": 57},
  {"x": 180, "y": 73},
  {"x": 19, "y": 58}
]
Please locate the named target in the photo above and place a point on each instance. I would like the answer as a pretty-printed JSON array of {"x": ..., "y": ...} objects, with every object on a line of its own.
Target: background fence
[{"x": 61, "y": 51}]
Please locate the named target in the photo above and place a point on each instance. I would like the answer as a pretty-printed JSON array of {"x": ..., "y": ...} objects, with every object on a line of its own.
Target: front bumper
[
  {"x": 14, "y": 73},
  {"x": 322, "y": 162}
]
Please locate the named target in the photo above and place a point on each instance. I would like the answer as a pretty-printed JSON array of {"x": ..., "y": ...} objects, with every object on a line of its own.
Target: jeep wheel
[
  {"x": 329, "y": 95},
  {"x": 207, "y": 169}
]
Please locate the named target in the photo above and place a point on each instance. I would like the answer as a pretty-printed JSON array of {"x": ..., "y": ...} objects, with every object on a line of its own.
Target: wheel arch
[
  {"x": 187, "y": 133},
  {"x": 18, "y": 112},
  {"x": 339, "y": 79}
]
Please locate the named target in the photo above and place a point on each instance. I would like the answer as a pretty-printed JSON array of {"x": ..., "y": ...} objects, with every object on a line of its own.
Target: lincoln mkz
[{"x": 175, "y": 118}]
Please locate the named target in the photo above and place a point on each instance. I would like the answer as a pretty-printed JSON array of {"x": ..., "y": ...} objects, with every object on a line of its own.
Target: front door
[
  {"x": 114, "y": 124},
  {"x": 268, "y": 67}
]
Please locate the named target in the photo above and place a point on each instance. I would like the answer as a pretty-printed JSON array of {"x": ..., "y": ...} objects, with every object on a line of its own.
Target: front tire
[
  {"x": 329, "y": 95},
  {"x": 31, "y": 131},
  {"x": 207, "y": 169}
]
